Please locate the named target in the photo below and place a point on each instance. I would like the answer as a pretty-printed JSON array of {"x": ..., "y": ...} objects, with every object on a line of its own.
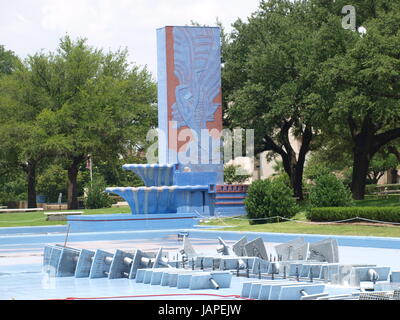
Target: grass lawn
[
  {"x": 38, "y": 219},
  {"x": 349, "y": 229},
  {"x": 21, "y": 219},
  {"x": 353, "y": 229},
  {"x": 370, "y": 201}
]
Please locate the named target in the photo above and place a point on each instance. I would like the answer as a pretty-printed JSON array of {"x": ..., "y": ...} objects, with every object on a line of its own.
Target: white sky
[{"x": 27, "y": 26}]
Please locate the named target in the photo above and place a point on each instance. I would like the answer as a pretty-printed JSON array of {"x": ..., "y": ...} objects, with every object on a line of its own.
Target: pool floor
[{"x": 21, "y": 255}]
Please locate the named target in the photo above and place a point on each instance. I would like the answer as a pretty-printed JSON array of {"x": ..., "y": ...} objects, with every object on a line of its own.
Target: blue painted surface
[
  {"x": 42, "y": 286},
  {"x": 194, "y": 178},
  {"x": 197, "y": 65},
  {"x": 15, "y": 278},
  {"x": 37, "y": 241},
  {"x": 164, "y": 199},
  {"x": 162, "y": 97},
  {"x": 148, "y": 200},
  {"x": 192, "y": 55},
  {"x": 30, "y": 230},
  {"x": 197, "y": 68},
  {"x": 41, "y": 199},
  {"x": 153, "y": 174},
  {"x": 113, "y": 230},
  {"x": 127, "y": 222}
]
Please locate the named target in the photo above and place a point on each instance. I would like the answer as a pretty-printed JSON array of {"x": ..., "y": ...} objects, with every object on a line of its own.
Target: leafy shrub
[
  {"x": 52, "y": 182},
  {"x": 233, "y": 174},
  {"x": 329, "y": 191},
  {"x": 269, "y": 198},
  {"x": 313, "y": 170},
  {"x": 282, "y": 177},
  {"x": 388, "y": 214},
  {"x": 96, "y": 197},
  {"x": 12, "y": 191}
]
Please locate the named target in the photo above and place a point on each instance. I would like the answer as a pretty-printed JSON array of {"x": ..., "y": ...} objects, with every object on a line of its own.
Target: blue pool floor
[{"x": 21, "y": 257}]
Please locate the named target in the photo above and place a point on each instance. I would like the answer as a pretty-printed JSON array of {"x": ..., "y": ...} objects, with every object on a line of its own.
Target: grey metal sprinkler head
[{"x": 284, "y": 272}]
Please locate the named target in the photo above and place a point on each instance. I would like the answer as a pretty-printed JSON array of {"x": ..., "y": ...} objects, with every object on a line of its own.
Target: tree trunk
[
  {"x": 30, "y": 170},
  {"x": 73, "y": 170},
  {"x": 298, "y": 182},
  {"x": 393, "y": 176},
  {"x": 360, "y": 171},
  {"x": 363, "y": 151},
  {"x": 294, "y": 167},
  {"x": 290, "y": 165},
  {"x": 307, "y": 137},
  {"x": 366, "y": 144}
]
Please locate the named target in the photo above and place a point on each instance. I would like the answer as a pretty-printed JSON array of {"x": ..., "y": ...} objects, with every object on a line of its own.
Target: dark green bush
[
  {"x": 96, "y": 197},
  {"x": 269, "y": 198},
  {"x": 388, "y": 214},
  {"x": 283, "y": 177},
  {"x": 315, "y": 169},
  {"x": 52, "y": 182},
  {"x": 329, "y": 191},
  {"x": 11, "y": 192},
  {"x": 233, "y": 174}
]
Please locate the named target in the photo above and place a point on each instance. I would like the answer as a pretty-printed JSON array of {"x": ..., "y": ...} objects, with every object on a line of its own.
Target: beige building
[{"x": 260, "y": 167}]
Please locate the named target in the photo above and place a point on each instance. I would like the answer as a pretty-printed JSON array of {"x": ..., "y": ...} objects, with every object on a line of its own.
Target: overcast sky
[{"x": 27, "y": 26}]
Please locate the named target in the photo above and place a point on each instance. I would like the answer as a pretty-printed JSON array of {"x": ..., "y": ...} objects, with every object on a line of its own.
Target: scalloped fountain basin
[
  {"x": 153, "y": 174},
  {"x": 152, "y": 200}
]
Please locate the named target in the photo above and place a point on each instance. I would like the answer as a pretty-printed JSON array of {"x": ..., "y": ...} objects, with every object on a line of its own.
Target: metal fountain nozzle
[
  {"x": 220, "y": 248},
  {"x": 373, "y": 275},
  {"x": 145, "y": 261}
]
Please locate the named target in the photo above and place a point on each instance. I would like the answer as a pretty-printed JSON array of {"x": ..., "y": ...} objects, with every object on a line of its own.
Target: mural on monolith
[{"x": 189, "y": 94}]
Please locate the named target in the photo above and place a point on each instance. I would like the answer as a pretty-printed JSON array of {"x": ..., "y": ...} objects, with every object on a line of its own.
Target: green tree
[
  {"x": 360, "y": 88},
  {"x": 381, "y": 163},
  {"x": 52, "y": 181},
  {"x": 336, "y": 157},
  {"x": 100, "y": 106},
  {"x": 22, "y": 140},
  {"x": 9, "y": 169},
  {"x": 8, "y": 61},
  {"x": 270, "y": 73}
]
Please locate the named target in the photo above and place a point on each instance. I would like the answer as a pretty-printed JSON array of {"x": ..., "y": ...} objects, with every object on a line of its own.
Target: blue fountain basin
[
  {"x": 153, "y": 174},
  {"x": 127, "y": 222},
  {"x": 165, "y": 199}
]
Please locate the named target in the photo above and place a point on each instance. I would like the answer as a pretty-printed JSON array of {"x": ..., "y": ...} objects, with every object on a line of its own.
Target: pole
[
  {"x": 91, "y": 171},
  {"x": 66, "y": 236}
]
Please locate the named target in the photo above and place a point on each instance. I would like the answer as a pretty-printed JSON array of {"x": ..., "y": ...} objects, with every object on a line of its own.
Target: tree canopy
[
  {"x": 293, "y": 71},
  {"x": 75, "y": 103},
  {"x": 270, "y": 73},
  {"x": 359, "y": 90}
]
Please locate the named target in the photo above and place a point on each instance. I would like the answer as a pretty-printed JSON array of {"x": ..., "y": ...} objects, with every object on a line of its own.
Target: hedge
[{"x": 387, "y": 214}]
